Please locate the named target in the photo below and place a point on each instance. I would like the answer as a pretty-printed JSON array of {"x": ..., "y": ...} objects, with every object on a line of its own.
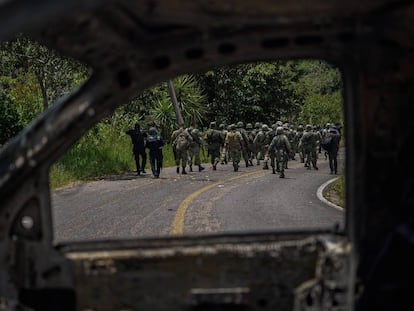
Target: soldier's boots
[
  {"x": 273, "y": 171},
  {"x": 250, "y": 162},
  {"x": 178, "y": 170},
  {"x": 200, "y": 168},
  {"x": 183, "y": 171},
  {"x": 236, "y": 167},
  {"x": 143, "y": 171},
  {"x": 247, "y": 163},
  {"x": 215, "y": 165},
  {"x": 266, "y": 167},
  {"x": 282, "y": 175}
]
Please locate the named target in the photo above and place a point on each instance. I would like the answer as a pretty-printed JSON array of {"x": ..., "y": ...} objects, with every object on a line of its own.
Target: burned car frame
[{"x": 132, "y": 45}]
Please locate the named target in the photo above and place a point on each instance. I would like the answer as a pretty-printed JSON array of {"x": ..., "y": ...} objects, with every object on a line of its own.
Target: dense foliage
[
  {"x": 10, "y": 123},
  {"x": 32, "y": 77},
  {"x": 249, "y": 93},
  {"x": 33, "y": 69}
]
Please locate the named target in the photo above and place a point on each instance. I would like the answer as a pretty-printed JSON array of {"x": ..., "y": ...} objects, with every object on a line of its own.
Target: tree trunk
[
  {"x": 175, "y": 102},
  {"x": 42, "y": 85}
]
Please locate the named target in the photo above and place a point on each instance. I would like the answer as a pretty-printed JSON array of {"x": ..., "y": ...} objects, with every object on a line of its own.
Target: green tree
[
  {"x": 23, "y": 60},
  {"x": 318, "y": 87},
  {"x": 249, "y": 93},
  {"x": 10, "y": 123}
]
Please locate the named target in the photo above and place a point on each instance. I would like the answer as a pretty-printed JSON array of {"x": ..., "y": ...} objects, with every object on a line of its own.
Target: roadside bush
[{"x": 10, "y": 123}]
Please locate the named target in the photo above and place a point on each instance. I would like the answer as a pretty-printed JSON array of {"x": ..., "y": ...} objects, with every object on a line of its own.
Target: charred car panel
[{"x": 131, "y": 45}]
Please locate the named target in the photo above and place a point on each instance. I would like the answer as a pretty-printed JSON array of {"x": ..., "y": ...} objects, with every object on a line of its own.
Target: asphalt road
[{"x": 253, "y": 199}]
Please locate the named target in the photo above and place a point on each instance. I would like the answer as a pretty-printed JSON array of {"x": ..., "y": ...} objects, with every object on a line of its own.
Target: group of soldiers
[{"x": 276, "y": 144}]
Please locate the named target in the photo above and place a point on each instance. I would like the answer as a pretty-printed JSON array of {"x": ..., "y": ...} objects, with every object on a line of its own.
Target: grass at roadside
[
  {"x": 91, "y": 158},
  {"x": 335, "y": 191}
]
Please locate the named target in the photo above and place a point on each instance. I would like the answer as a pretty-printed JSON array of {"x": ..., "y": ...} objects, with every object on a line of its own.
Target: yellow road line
[{"x": 178, "y": 223}]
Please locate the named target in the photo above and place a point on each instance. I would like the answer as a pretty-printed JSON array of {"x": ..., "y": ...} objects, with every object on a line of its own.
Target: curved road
[{"x": 253, "y": 199}]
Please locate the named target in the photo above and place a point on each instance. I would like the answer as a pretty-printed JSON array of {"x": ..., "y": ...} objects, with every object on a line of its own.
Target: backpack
[
  {"x": 214, "y": 137},
  {"x": 181, "y": 142},
  {"x": 327, "y": 142},
  {"x": 233, "y": 140}
]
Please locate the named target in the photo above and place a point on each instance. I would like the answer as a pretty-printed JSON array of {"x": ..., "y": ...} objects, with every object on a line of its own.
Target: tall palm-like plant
[
  {"x": 164, "y": 117},
  {"x": 191, "y": 99}
]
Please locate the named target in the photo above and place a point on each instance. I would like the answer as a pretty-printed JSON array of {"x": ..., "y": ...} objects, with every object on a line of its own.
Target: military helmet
[
  {"x": 152, "y": 131},
  {"x": 233, "y": 127},
  {"x": 213, "y": 124},
  {"x": 195, "y": 132},
  {"x": 240, "y": 124},
  {"x": 221, "y": 126},
  {"x": 257, "y": 125},
  {"x": 279, "y": 130},
  {"x": 279, "y": 123},
  {"x": 300, "y": 128},
  {"x": 274, "y": 126},
  {"x": 265, "y": 127},
  {"x": 308, "y": 127},
  {"x": 249, "y": 126}
]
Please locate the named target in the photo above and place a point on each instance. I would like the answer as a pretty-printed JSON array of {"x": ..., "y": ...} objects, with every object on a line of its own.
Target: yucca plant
[
  {"x": 192, "y": 100},
  {"x": 164, "y": 116}
]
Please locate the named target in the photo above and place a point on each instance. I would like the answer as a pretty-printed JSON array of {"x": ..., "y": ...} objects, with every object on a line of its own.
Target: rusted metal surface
[
  {"x": 255, "y": 275},
  {"x": 132, "y": 45}
]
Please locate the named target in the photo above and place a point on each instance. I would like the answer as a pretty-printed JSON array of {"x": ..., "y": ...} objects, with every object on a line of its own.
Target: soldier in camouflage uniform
[
  {"x": 242, "y": 131},
  {"x": 234, "y": 144},
  {"x": 289, "y": 134},
  {"x": 299, "y": 149},
  {"x": 263, "y": 140},
  {"x": 251, "y": 150},
  {"x": 308, "y": 143},
  {"x": 271, "y": 152},
  {"x": 224, "y": 131},
  {"x": 256, "y": 130},
  {"x": 281, "y": 147},
  {"x": 325, "y": 131},
  {"x": 181, "y": 142},
  {"x": 318, "y": 138},
  {"x": 194, "y": 148},
  {"x": 214, "y": 139}
]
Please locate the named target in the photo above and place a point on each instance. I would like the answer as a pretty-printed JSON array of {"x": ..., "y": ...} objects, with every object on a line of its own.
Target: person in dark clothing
[
  {"x": 138, "y": 137},
  {"x": 154, "y": 143},
  {"x": 334, "y": 138}
]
